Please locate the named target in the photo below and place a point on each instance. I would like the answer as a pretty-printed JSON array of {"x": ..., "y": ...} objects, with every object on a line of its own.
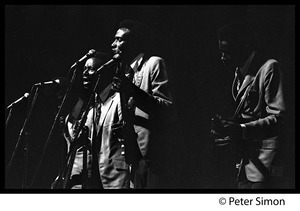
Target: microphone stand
[
  {"x": 10, "y": 107},
  {"x": 56, "y": 120},
  {"x": 8, "y": 117},
  {"x": 23, "y": 133},
  {"x": 62, "y": 180},
  {"x": 57, "y": 117}
]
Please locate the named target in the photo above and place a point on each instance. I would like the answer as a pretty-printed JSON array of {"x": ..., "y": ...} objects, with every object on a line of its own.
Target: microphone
[
  {"x": 21, "y": 99},
  {"x": 86, "y": 56},
  {"x": 55, "y": 82},
  {"x": 115, "y": 58}
]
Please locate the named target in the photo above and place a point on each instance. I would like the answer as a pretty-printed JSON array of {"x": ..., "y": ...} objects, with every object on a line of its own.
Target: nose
[
  {"x": 113, "y": 44},
  {"x": 223, "y": 57},
  {"x": 85, "y": 72}
]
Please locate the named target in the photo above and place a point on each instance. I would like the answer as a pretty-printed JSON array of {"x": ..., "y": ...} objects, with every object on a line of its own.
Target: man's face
[
  {"x": 88, "y": 75},
  {"x": 230, "y": 55},
  {"x": 120, "y": 43}
]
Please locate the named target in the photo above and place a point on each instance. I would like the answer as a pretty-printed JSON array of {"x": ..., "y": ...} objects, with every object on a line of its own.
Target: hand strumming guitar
[{"x": 225, "y": 132}]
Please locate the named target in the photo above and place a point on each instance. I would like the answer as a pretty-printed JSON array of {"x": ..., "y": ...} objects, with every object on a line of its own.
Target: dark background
[{"x": 42, "y": 42}]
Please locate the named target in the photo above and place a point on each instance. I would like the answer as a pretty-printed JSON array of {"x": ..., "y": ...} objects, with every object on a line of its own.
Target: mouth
[
  {"x": 86, "y": 81},
  {"x": 116, "y": 51}
]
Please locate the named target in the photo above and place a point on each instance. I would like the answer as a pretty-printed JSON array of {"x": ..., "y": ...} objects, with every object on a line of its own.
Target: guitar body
[
  {"x": 64, "y": 180},
  {"x": 234, "y": 145}
]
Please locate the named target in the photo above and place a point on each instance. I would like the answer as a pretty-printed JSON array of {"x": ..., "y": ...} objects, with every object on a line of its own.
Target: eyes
[
  {"x": 119, "y": 40},
  {"x": 89, "y": 69},
  {"x": 121, "y": 36}
]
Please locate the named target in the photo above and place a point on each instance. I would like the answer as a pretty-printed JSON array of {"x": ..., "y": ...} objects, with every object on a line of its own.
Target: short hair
[
  {"x": 237, "y": 33},
  {"x": 139, "y": 32}
]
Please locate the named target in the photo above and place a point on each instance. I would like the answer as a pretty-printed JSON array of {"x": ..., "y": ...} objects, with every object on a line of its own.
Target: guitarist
[{"x": 258, "y": 122}]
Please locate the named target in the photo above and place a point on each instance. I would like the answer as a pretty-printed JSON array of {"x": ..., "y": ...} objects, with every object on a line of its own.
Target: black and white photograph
[{"x": 149, "y": 99}]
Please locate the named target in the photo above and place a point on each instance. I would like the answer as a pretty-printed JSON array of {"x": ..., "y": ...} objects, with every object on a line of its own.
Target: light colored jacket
[
  {"x": 263, "y": 112},
  {"x": 149, "y": 124}
]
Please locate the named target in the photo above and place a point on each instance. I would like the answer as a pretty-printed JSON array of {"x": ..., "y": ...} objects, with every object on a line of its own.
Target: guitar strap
[
  {"x": 241, "y": 103},
  {"x": 260, "y": 166}
]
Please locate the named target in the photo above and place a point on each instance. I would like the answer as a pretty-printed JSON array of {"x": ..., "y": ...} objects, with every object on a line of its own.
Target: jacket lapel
[
  {"x": 247, "y": 81},
  {"x": 234, "y": 91},
  {"x": 254, "y": 66},
  {"x": 139, "y": 71}
]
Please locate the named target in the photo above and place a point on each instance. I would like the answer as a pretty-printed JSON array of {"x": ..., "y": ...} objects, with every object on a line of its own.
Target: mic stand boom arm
[
  {"x": 23, "y": 133},
  {"x": 56, "y": 120}
]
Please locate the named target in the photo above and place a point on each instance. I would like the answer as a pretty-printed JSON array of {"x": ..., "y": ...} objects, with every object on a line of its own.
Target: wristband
[{"x": 244, "y": 130}]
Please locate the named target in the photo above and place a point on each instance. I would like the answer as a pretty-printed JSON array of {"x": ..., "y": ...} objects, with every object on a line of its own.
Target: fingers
[
  {"x": 221, "y": 142},
  {"x": 117, "y": 79},
  {"x": 117, "y": 125},
  {"x": 115, "y": 87},
  {"x": 117, "y": 129},
  {"x": 214, "y": 134},
  {"x": 122, "y": 84},
  {"x": 116, "y": 84}
]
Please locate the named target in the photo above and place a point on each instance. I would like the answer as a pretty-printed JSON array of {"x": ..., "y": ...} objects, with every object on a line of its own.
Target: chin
[
  {"x": 88, "y": 90},
  {"x": 87, "y": 86}
]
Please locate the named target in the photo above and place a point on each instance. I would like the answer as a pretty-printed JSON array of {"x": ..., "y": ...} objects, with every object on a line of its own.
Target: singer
[
  {"x": 105, "y": 164},
  {"x": 132, "y": 124},
  {"x": 151, "y": 125}
]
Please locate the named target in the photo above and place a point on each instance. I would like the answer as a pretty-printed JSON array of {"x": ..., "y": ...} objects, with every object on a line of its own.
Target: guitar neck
[{"x": 68, "y": 167}]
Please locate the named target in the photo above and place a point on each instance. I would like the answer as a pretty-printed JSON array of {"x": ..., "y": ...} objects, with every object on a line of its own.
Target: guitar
[
  {"x": 237, "y": 144},
  {"x": 64, "y": 180}
]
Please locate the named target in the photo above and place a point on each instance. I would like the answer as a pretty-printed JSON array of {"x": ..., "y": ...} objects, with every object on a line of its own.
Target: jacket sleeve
[
  {"x": 274, "y": 109},
  {"x": 158, "y": 97}
]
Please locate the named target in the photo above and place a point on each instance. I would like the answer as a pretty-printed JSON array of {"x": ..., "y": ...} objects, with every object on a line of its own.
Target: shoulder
[
  {"x": 270, "y": 66},
  {"x": 271, "y": 63},
  {"x": 155, "y": 62}
]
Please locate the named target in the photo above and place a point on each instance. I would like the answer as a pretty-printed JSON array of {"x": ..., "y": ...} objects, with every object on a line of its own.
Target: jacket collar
[{"x": 136, "y": 62}]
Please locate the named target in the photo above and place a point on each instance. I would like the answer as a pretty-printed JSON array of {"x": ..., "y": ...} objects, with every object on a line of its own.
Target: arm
[
  {"x": 269, "y": 114},
  {"x": 156, "y": 97},
  {"x": 275, "y": 110}
]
